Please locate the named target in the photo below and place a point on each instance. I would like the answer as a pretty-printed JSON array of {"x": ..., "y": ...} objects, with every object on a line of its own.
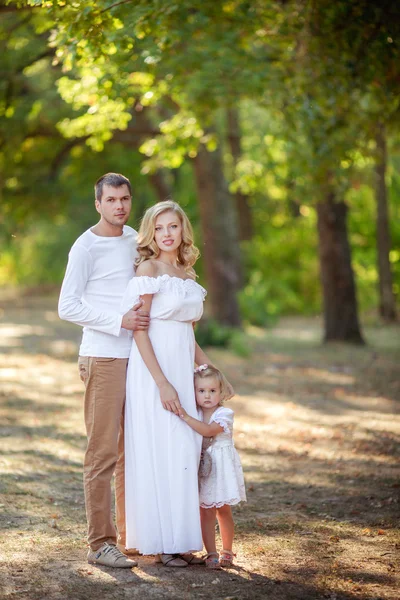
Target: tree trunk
[
  {"x": 294, "y": 204},
  {"x": 242, "y": 200},
  {"x": 139, "y": 128},
  {"x": 339, "y": 293},
  {"x": 220, "y": 241},
  {"x": 387, "y": 302},
  {"x": 159, "y": 182}
]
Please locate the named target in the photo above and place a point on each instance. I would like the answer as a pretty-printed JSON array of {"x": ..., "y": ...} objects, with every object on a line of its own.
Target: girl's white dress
[
  {"x": 224, "y": 484},
  {"x": 161, "y": 452}
]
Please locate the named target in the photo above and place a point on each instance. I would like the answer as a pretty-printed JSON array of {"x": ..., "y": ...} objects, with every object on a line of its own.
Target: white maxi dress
[{"x": 161, "y": 451}]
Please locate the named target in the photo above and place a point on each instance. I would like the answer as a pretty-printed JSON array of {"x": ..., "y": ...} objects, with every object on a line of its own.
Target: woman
[{"x": 161, "y": 452}]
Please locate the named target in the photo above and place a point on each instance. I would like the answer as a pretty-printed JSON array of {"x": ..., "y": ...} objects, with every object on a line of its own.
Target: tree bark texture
[
  {"x": 294, "y": 204},
  {"x": 338, "y": 284},
  {"x": 132, "y": 137},
  {"x": 159, "y": 182},
  {"x": 220, "y": 240},
  {"x": 387, "y": 302},
  {"x": 245, "y": 222}
]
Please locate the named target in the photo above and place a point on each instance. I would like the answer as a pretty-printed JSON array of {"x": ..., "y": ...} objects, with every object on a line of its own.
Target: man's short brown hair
[{"x": 112, "y": 179}]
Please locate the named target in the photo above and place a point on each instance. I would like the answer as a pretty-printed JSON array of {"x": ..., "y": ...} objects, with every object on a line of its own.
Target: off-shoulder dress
[{"x": 161, "y": 452}]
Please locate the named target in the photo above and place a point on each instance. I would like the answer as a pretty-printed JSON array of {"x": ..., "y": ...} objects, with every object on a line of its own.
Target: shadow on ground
[{"x": 318, "y": 432}]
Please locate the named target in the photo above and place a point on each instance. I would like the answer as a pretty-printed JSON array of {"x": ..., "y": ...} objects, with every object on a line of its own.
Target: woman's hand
[{"x": 169, "y": 398}]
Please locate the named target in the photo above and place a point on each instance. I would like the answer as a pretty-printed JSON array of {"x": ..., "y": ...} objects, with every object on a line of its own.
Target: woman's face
[{"x": 168, "y": 231}]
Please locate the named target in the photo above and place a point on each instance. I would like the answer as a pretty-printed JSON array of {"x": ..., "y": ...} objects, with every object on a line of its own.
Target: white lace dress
[
  {"x": 224, "y": 483},
  {"x": 161, "y": 452}
]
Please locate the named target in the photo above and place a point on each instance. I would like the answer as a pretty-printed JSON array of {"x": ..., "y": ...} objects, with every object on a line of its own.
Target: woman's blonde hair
[
  {"x": 204, "y": 371},
  {"x": 147, "y": 246}
]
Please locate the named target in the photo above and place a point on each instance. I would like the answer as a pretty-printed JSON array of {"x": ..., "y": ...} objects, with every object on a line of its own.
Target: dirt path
[{"x": 318, "y": 431}]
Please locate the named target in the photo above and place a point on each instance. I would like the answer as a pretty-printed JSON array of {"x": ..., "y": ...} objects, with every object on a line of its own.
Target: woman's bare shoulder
[{"x": 147, "y": 268}]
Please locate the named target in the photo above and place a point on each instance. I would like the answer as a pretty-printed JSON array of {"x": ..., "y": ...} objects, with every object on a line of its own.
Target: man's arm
[{"x": 72, "y": 308}]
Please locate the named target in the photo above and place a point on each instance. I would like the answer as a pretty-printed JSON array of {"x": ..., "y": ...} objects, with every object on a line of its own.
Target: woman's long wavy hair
[{"x": 147, "y": 246}]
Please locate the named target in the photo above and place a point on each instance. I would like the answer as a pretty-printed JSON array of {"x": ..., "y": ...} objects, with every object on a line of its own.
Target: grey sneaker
[{"x": 108, "y": 555}]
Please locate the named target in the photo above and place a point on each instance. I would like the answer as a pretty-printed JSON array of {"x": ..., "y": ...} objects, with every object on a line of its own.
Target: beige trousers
[{"x": 104, "y": 380}]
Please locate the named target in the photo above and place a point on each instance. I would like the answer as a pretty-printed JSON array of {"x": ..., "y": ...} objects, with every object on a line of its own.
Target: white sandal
[
  {"x": 192, "y": 559},
  {"x": 212, "y": 560},
  {"x": 171, "y": 560},
  {"x": 226, "y": 558}
]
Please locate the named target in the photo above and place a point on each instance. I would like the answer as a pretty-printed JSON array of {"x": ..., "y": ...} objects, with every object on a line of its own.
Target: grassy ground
[{"x": 318, "y": 431}]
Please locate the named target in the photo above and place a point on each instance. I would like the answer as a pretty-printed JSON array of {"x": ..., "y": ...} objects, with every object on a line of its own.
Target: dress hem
[
  {"x": 219, "y": 504},
  {"x": 169, "y": 551}
]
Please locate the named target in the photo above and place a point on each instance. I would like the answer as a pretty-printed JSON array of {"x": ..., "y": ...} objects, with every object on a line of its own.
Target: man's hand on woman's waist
[{"x": 136, "y": 319}]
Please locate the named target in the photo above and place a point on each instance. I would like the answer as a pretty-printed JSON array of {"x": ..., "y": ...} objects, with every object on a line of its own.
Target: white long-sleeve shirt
[{"x": 98, "y": 271}]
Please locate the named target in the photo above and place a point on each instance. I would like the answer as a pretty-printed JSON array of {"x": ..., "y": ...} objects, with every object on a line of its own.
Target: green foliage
[
  {"x": 79, "y": 77},
  {"x": 282, "y": 262},
  {"x": 395, "y": 231},
  {"x": 238, "y": 344},
  {"x": 211, "y": 333},
  {"x": 34, "y": 251},
  {"x": 37, "y": 256}
]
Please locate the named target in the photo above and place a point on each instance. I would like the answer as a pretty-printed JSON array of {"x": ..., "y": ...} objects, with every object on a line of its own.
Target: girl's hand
[
  {"x": 183, "y": 414},
  {"x": 169, "y": 398}
]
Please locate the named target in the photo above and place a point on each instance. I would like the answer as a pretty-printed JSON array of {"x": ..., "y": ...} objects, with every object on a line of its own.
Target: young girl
[{"x": 220, "y": 473}]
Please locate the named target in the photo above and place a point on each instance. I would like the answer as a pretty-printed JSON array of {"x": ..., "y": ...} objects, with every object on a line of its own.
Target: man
[{"x": 101, "y": 262}]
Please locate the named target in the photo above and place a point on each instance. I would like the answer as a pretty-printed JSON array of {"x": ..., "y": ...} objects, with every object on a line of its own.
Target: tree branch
[
  {"x": 62, "y": 154},
  {"x": 9, "y": 8},
  {"x": 44, "y": 54},
  {"x": 114, "y": 5},
  {"x": 42, "y": 132},
  {"x": 14, "y": 27}
]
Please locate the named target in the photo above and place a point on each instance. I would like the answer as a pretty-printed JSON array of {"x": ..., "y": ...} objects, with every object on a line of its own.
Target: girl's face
[
  {"x": 168, "y": 231},
  {"x": 208, "y": 391}
]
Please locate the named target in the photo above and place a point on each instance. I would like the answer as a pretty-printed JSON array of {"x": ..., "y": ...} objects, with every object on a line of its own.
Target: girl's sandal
[
  {"x": 226, "y": 558},
  {"x": 212, "y": 560},
  {"x": 171, "y": 560}
]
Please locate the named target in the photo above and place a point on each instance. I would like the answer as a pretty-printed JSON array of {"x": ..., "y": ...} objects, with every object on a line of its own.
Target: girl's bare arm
[{"x": 204, "y": 429}]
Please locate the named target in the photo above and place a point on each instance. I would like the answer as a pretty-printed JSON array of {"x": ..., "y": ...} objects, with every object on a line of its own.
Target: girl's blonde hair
[
  {"x": 146, "y": 244},
  {"x": 204, "y": 371}
]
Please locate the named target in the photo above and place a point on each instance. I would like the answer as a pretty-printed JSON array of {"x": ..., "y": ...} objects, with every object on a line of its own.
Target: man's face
[{"x": 115, "y": 205}]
